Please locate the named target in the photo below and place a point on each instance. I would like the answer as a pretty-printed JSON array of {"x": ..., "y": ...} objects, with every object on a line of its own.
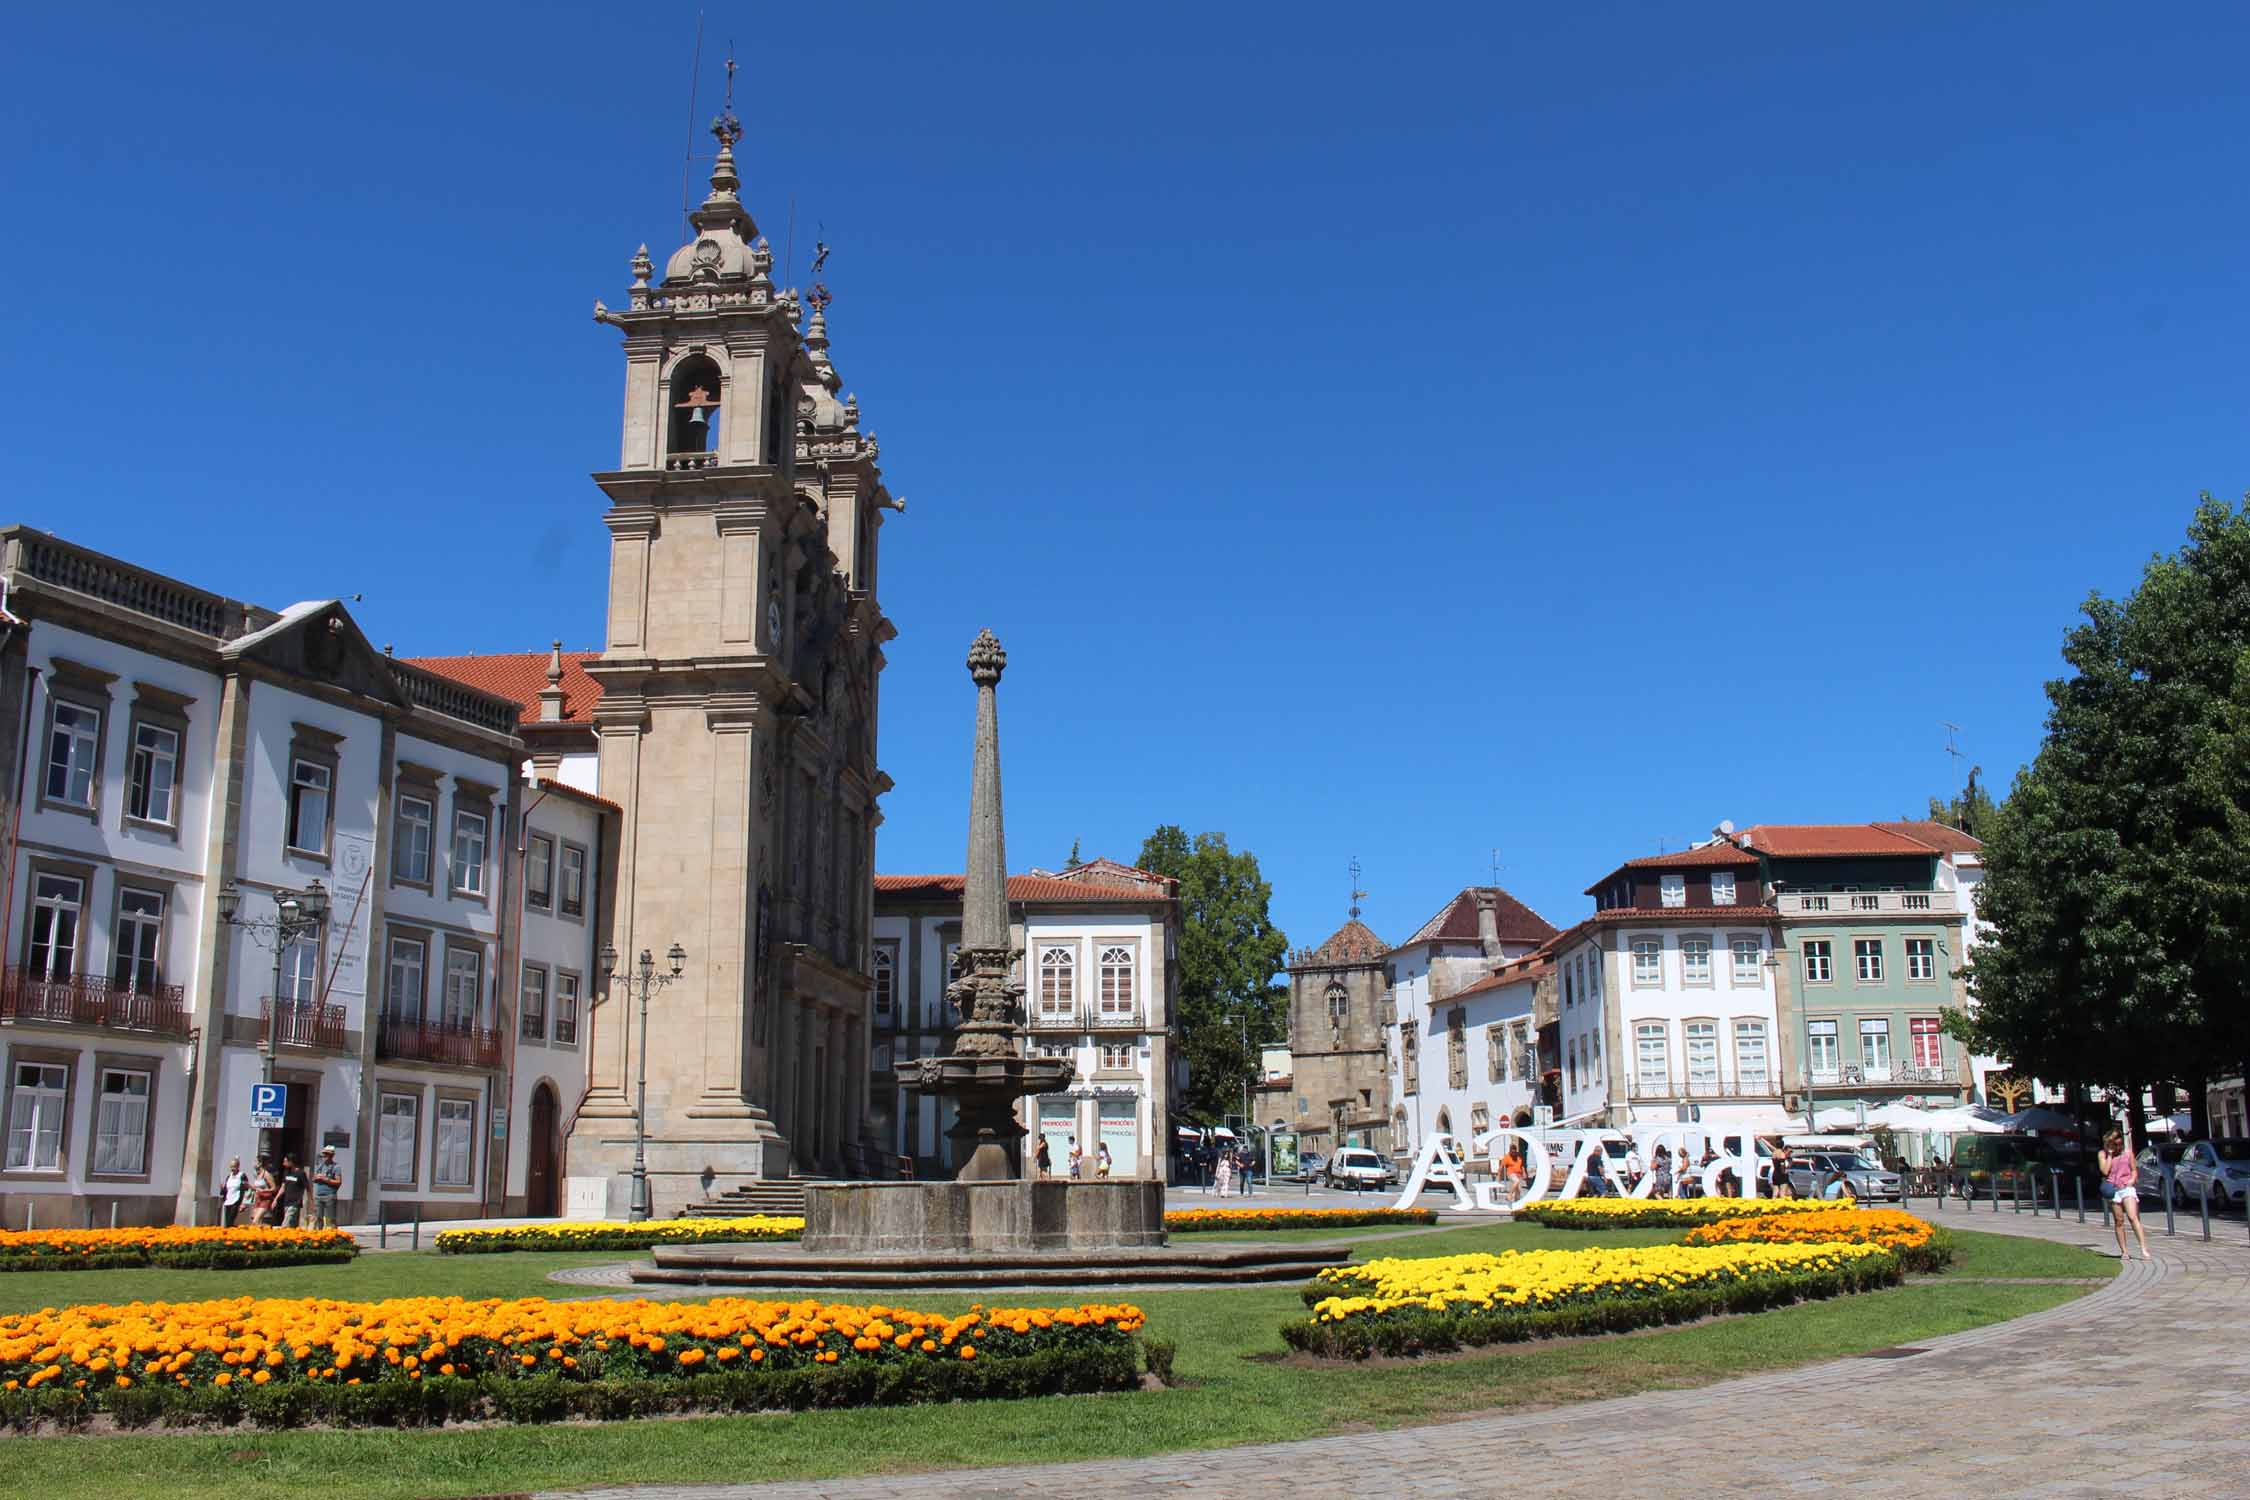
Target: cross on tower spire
[{"x": 1358, "y": 895}]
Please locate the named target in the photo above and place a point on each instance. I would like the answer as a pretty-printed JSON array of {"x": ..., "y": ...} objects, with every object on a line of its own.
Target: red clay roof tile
[{"x": 521, "y": 675}]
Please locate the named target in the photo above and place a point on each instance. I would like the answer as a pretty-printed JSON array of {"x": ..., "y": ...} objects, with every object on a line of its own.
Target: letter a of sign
[{"x": 1436, "y": 1164}]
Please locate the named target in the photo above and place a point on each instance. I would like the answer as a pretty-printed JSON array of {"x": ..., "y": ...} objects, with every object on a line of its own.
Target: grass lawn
[{"x": 1238, "y": 1396}]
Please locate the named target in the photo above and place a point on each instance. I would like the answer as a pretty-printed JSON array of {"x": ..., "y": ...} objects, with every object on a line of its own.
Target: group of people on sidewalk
[
  {"x": 294, "y": 1198},
  {"x": 1044, "y": 1157}
]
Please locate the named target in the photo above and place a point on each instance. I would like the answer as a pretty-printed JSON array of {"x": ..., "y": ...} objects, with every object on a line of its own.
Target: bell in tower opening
[{"x": 695, "y": 407}]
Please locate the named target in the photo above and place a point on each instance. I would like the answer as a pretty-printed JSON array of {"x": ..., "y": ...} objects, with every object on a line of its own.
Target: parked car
[
  {"x": 1358, "y": 1168},
  {"x": 1864, "y": 1174},
  {"x": 1311, "y": 1165},
  {"x": 2153, "y": 1170},
  {"x": 2221, "y": 1167}
]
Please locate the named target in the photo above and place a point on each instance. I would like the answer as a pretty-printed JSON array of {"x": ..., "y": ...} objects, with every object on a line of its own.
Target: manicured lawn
[{"x": 1227, "y": 1343}]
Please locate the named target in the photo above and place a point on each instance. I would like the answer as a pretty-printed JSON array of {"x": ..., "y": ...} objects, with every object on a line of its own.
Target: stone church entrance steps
[
  {"x": 785, "y": 1196},
  {"x": 768, "y": 1266}
]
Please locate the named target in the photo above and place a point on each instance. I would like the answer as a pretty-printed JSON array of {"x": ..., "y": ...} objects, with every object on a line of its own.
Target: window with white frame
[
  {"x": 37, "y": 1096},
  {"x": 74, "y": 745},
  {"x": 1820, "y": 965},
  {"x": 454, "y": 1150},
  {"x": 300, "y": 970},
  {"x": 57, "y": 911},
  {"x": 153, "y": 774},
  {"x": 1117, "y": 980},
  {"x": 1648, "y": 962},
  {"x": 121, "y": 1123},
  {"x": 573, "y": 881},
  {"x": 1117, "y": 1057},
  {"x": 406, "y": 983},
  {"x": 886, "y": 981},
  {"x": 1672, "y": 889},
  {"x": 1748, "y": 954},
  {"x": 1695, "y": 960},
  {"x": 464, "y": 978},
  {"x": 1875, "y": 1045},
  {"x": 312, "y": 788},
  {"x": 1752, "y": 1068},
  {"x": 1058, "y": 980},
  {"x": 1652, "y": 1065},
  {"x": 1921, "y": 959},
  {"x": 1927, "y": 1037},
  {"x": 1722, "y": 887},
  {"x": 1702, "y": 1039},
  {"x": 417, "y": 822},
  {"x": 1593, "y": 990},
  {"x": 1820, "y": 1044},
  {"x": 539, "y": 873},
  {"x": 138, "y": 958},
  {"x": 566, "y": 1007},
  {"x": 531, "y": 1003},
  {"x": 395, "y": 1130},
  {"x": 469, "y": 835},
  {"x": 1867, "y": 958}
]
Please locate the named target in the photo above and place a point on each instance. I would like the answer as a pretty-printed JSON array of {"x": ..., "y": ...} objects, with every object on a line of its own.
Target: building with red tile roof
[{"x": 1339, "y": 1087}]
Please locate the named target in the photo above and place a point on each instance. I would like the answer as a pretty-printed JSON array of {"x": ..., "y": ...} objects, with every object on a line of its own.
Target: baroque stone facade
[{"x": 737, "y": 722}]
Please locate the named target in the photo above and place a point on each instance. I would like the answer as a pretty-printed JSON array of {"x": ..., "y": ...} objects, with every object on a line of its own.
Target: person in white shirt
[{"x": 233, "y": 1188}]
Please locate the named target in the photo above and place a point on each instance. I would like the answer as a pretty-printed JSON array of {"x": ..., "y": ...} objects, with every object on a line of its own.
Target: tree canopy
[
  {"x": 2117, "y": 873},
  {"x": 1229, "y": 953},
  {"x": 1970, "y": 810}
]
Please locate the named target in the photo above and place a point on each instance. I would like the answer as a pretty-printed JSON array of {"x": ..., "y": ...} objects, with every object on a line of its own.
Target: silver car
[
  {"x": 2220, "y": 1167},
  {"x": 2155, "y": 1168},
  {"x": 1868, "y": 1179}
]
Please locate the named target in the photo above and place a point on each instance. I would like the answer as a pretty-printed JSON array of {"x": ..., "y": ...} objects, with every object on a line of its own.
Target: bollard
[
  {"x": 416, "y": 1243},
  {"x": 2081, "y": 1182},
  {"x": 383, "y": 1227},
  {"x": 2015, "y": 1185},
  {"x": 1993, "y": 1183},
  {"x": 2206, "y": 1204},
  {"x": 113, "y": 1216},
  {"x": 2169, "y": 1226}
]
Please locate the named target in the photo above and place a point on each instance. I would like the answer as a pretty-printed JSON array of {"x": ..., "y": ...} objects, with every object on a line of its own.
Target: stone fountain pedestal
[{"x": 921, "y": 1219}]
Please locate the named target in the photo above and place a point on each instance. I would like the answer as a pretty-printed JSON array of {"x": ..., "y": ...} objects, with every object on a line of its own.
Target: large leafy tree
[
  {"x": 1229, "y": 953},
  {"x": 2117, "y": 873}
]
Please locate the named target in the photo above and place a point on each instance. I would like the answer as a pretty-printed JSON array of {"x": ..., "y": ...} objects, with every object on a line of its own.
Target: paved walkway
[{"x": 2140, "y": 1389}]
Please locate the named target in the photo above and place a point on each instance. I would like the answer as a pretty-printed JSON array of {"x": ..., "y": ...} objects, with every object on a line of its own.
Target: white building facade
[
  {"x": 1099, "y": 966},
  {"x": 1465, "y": 944}
]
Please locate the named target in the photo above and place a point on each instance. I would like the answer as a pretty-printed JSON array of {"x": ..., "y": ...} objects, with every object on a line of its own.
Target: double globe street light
[
  {"x": 296, "y": 915},
  {"x": 643, "y": 977}
]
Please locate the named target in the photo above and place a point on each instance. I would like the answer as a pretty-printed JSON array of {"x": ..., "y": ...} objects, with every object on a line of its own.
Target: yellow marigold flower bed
[
  {"x": 1406, "y": 1306},
  {"x": 604, "y": 1234},
  {"x": 177, "y": 1246},
  {"x": 1190, "y": 1220},
  {"x": 1660, "y": 1213},
  {"x": 1915, "y": 1241},
  {"x": 98, "y": 1349}
]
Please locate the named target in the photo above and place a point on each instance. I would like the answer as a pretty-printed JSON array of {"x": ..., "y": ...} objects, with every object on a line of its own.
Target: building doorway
[
  {"x": 295, "y": 1137},
  {"x": 544, "y": 1146}
]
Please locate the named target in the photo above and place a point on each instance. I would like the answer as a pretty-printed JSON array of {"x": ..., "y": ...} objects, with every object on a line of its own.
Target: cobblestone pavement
[{"x": 2140, "y": 1389}]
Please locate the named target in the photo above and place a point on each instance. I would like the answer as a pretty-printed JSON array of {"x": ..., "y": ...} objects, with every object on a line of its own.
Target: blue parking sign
[{"x": 269, "y": 1103}]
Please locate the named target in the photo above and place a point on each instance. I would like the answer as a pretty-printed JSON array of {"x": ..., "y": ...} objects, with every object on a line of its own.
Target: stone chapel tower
[{"x": 737, "y": 726}]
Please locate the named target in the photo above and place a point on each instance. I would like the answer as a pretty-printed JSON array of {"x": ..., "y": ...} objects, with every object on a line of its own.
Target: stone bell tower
[{"x": 737, "y": 730}]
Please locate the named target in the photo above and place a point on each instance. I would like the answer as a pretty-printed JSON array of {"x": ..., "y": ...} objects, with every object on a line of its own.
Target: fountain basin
[{"x": 1007, "y": 1216}]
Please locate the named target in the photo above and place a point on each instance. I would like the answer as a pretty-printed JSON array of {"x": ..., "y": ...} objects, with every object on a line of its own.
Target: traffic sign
[{"x": 269, "y": 1105}]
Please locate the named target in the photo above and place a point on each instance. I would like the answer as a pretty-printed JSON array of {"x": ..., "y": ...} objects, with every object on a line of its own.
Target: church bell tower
[{"x": 736, "y": 730}]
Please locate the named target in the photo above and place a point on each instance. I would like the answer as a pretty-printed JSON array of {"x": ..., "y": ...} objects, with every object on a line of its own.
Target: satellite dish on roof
[{"x": 1725, "y": 828}]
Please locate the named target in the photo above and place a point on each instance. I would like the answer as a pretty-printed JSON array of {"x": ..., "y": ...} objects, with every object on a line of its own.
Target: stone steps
[
  {"x": 778, "y": 1266},
  {"x": 786, "y": 1197}
]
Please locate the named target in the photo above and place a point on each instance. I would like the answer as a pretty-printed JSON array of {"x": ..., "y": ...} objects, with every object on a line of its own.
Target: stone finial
[
  {"x": 554, "y": 664},
  {"x": 987, "y": 659},
  {"x": 643, "y": 268},
  {"x": 551, "y": 697}
]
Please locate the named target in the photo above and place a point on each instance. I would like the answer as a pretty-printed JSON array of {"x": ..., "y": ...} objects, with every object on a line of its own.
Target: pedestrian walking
[
  {"x": 1782, "y": 1186},
  {"x": 2121, "y": 1193},
  {"x": 233, "y": 1189},
  {"x": 1245, "y": 1169},
  {"x": 1101, "y": 1167},
  {"x": 290, "y": 1204},
  {"x": 1077, "y": 1159},
  {"x": 1045, "y": 1158},
  {"x": 263, "y": 1191},
  {"x": 327, "y": 1182},
  {"x": 1223, "y": 1173}
]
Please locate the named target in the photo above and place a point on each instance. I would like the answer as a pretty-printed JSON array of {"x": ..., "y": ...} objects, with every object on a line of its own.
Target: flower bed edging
[
  {"x": 570, "y": 1234},
  {"x": 1204, "y": 1220}
]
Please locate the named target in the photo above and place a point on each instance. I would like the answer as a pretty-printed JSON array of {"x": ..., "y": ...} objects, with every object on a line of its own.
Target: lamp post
[
  {"x": 296, "y": 915},
  {"x": 644, "y": 978}
]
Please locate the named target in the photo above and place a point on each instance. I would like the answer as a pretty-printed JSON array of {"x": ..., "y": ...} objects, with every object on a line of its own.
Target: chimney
[{"x": 1488, "y": 922}]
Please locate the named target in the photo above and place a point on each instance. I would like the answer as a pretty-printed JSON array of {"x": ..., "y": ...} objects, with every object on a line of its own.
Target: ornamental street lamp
[
  {"x": 644, "y": 978},
  {"x": 296, "y": 915}
]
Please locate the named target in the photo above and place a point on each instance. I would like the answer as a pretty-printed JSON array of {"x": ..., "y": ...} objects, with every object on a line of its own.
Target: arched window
[
  {"x": 1339, "y": 1004},
  {"x": 1058, "y": 982},
  {"x": 886, "y": 978},
  {"x": 1117, "y": 981},
  {"x": 694, "y": 426},
  {"x": 1445, "y": 1122}
]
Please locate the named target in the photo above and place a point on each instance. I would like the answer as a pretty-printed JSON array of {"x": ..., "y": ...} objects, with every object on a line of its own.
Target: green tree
[
  {"x": 1971, "y": 811},
  {"x": 2117, "y": 873},
  {"x": 1229, "y": 953}
]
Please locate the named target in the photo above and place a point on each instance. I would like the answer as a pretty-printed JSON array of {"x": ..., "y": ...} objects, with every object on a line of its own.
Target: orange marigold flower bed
[
  {"x": 1916, "y": 1241},
  {"x": 174, "y": 1246}
]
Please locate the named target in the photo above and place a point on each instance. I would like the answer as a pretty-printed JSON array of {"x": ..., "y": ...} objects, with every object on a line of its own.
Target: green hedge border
[
  {"x": 488, "y": 1242},
  {"x": 1287, "y": 1218},
  {"x": 1412, "y": 1331},
  {"x": 184, "y": 1258},
  {"x": 550, "y": 1398}
]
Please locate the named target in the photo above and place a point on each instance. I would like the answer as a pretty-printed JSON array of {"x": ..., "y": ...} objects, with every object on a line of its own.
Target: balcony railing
[
  {"x": 1651, "y": 1086},
  {"x": 1891, "y": 1075},
  {"x": 439, "y": 1042},
  {"x": 90, "y": 1000},
  {"x": 319, "y": 1027},
  {"x": 1084, "y": 1018},
  {"x": 1868, "y": 903}
]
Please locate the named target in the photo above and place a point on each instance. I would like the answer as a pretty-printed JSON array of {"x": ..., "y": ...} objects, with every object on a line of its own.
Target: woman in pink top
[{"x": 2118, "y": 1187}]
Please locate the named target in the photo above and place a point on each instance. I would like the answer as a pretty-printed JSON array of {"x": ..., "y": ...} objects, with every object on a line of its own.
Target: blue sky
[{"x": 1400, "y": 435}]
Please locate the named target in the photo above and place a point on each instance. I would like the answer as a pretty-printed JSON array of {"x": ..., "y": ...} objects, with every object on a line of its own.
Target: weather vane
[
  {"x": 1358, "y": 895},
  {"x": 726, "y": 127}
]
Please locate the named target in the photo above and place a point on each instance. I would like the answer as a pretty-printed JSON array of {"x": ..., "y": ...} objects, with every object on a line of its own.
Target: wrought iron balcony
[
  {"x": 1667, "y": 1089},
  {"x": 452, "y": 1044},
  {"x": 1868, "y": 903},
  {"x": 90, "y": 1000},
  {"x": 318, "y": 1028}
]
